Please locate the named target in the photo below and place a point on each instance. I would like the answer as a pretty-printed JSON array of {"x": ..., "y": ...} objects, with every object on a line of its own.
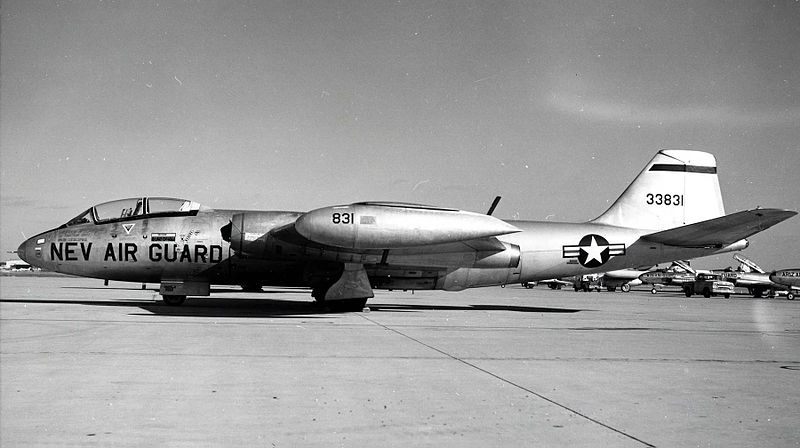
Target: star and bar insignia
[{"x": 593, "y": 251}]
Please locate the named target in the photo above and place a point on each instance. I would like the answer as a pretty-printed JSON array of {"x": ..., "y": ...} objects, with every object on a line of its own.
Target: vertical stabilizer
[{"x": 676, "y": 188}]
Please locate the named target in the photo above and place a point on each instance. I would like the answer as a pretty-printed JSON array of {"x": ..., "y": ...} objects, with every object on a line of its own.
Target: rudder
[{"x": 677, "y": 187}]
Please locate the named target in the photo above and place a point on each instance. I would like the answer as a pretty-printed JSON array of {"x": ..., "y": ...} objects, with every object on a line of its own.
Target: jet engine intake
[{"x": 248, "y": 232}]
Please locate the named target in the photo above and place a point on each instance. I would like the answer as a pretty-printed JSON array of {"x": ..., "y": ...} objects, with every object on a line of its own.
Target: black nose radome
[{"x": 22, "y": 252}]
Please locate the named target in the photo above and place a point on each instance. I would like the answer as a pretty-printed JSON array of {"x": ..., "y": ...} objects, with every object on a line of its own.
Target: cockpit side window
[{"x": 157, "y": 206}]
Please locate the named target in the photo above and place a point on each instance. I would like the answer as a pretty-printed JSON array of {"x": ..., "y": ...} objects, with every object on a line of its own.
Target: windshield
[
  {"x": 83, "y": 218},
  {"x": 123, "y": 208}
]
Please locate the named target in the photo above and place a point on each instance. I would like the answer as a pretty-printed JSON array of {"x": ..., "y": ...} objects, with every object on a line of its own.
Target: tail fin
[{"x": 676, "y": 188}]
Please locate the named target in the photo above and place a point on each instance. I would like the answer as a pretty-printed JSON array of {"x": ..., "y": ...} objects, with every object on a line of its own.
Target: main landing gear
[{"x": 349, "y": 293}]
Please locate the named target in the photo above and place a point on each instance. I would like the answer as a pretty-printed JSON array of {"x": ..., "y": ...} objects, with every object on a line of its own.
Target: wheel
[
  {"x": 687, "y": 292},
  {"x": 251, "y": 287},
  {"x": 611, "y": 288},
  {"x": 173, "y": 300},
  {"x": 757, "y": 293},
  {"x": 654, "y": 290},
  {"x": 626, "y": 288},
  {"x": 706, "y": 293},
  {"x": 528, "y": 285},
  {"x": 585, "y": 288},
  {"x": 727, "y": 296},
  {"x": 790, "y": 296},
  {"x": 576, "y": 288}
]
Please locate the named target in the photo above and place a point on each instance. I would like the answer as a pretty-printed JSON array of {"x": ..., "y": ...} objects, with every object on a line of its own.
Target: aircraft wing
[{"x": 721, "y": 231}]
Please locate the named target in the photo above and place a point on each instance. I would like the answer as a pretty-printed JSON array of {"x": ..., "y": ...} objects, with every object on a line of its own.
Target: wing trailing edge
[{"x": 721, "y": 231}]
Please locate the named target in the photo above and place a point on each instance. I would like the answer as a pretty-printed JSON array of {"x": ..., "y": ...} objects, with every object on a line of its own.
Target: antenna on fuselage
[{"x": 494, "y": 205}]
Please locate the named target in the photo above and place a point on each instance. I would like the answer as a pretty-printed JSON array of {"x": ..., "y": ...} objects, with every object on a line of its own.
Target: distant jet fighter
[
  {"x": 678, "y": 274},
  {"x": 622, "y": 278},
  {"x": 789, "y": 278},
  {"x": 672, "y": 210},
  {"x": 750, "y": 275}
]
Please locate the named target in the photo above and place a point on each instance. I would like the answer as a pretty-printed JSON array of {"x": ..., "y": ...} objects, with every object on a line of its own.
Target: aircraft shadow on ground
[
  {"x": 199, "y": 307},
  {"x": 213, "y": 290},
  {"x": 238, "y": 308},
  {"x": 519, "y": 309}
]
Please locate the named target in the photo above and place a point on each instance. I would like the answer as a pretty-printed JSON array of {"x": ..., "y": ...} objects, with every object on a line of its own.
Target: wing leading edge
[{"x": 721, "y": 231}]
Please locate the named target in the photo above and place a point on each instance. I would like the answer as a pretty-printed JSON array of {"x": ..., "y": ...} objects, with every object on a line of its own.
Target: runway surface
[{"x": 86, "y": 365}]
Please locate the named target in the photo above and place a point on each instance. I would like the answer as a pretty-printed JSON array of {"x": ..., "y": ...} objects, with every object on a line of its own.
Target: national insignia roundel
[{"x": 593, "y": 250}]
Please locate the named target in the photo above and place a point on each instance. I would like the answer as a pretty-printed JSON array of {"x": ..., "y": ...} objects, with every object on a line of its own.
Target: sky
[{"x": 297, "y": 105}]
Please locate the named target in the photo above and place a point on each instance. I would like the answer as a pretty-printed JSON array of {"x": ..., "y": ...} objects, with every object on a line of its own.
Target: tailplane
[{"x": 677, "y": 187}]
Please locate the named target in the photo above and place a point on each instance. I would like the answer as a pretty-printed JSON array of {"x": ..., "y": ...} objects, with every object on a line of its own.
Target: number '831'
[
  {"x": 342, "y": 218},
  {"x": 664, "y": 199}
]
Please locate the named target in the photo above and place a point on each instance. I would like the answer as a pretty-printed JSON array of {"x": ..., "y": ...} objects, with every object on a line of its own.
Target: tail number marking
[{"x": 664, "y": 199}]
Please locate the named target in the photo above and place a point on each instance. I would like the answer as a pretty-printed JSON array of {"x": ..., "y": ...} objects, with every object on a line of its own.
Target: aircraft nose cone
[
  {"x": 22, "y": 251},
  {"x": 31, "y": 252}
]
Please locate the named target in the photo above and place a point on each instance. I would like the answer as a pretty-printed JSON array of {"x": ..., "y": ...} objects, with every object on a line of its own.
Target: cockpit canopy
[{"x": 135, "y": 208}]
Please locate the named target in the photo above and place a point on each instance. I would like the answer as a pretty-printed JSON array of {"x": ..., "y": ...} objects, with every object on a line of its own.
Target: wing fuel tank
[{"x": 372, "y": 225}]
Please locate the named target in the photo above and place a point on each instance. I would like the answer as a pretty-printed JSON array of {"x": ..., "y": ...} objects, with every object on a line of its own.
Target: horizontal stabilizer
[{"x": 721, "y": 231}]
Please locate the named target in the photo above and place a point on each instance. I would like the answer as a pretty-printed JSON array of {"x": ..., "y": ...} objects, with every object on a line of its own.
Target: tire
[
  {"x": 173, "y": 300},
  {"x": 251, "y": 287},
  {"x": 687, "y": 292},
  {"x": 611, "y": 288},
  {"x": 790, "y": 296},
  {"x": 707, "y": 293},
  {"x": 626, "y": 288},
  {"x": 654, "y": 291},
  {"x": 727, "y": 296}
]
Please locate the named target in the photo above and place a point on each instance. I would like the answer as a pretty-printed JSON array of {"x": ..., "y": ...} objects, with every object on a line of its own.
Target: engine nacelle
[
  {"x": 248, "y": 231},
  {"x": 384, "y": 225}
]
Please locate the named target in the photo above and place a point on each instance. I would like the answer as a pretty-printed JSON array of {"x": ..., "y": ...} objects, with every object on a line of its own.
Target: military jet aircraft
[
  {"x": 750, "y": 275},
  {"x": 789, "y": 278},
  {"x": 672, "y": 210},
  {"x": 622, "y": 278},
  {"x": 678, "y": 274}
]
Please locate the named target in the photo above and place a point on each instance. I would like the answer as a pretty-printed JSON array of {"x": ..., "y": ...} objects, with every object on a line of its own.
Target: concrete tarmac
[{"x": 86, "y": 365}]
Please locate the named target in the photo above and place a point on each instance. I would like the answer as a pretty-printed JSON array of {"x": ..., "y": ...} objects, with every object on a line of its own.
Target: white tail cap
[{"x": 676, "y": 188}]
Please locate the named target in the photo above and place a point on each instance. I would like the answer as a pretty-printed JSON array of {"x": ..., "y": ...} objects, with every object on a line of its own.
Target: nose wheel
[{"x": 173, "y": 300}]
